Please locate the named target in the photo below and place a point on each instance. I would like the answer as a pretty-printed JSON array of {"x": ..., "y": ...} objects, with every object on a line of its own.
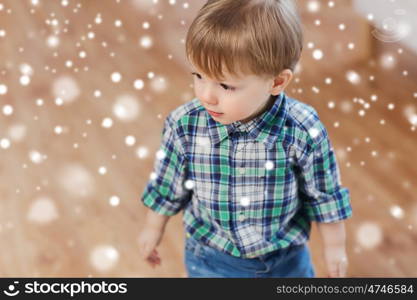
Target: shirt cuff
[
  {"x": 330, "y": 208},
  {"x": 152, "y": 199}
]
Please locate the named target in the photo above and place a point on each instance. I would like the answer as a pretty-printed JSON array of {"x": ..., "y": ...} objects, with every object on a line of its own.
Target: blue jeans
[{"x": 204, "y": 261}]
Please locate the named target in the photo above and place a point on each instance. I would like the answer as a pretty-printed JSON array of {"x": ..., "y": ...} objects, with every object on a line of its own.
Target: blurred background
[{"x": 85, "y": 87}]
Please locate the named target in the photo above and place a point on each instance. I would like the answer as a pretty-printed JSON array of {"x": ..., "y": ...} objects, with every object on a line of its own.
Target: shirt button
[
  {"x": 242, "y": 217},
  {"x": 242, "y": 170}
]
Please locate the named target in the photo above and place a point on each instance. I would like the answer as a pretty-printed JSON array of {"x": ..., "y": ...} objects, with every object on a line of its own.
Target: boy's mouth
[{"x": 213, "y": 113}]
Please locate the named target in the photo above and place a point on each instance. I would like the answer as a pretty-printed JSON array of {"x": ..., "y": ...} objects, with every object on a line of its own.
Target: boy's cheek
[{"x": 237, "y": 111}]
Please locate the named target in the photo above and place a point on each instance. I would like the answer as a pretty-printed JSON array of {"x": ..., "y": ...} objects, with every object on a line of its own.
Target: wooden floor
[{"x": 70, "y": 185}]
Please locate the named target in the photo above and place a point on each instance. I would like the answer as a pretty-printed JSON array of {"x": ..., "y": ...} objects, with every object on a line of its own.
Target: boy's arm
[
  {"x": 333, "y": 236},
  {"x": 155, "y": 221},
  {"x": 324, "y": 198},
  {"x": 151, "y": 236},
  {"x": 166, "y": 193}
]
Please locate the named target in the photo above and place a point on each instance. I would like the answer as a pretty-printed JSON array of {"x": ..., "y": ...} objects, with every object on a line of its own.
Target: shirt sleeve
[
  {"x": 165, "y": 193},
  {"x": 324, "y": 198}
]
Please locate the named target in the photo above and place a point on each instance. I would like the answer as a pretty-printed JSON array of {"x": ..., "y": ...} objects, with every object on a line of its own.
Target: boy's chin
[{"x": 223, "y": 122}]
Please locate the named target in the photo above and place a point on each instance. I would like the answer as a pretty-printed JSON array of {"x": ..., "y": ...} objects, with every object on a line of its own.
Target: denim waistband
[{"x": 198, "y": 244}]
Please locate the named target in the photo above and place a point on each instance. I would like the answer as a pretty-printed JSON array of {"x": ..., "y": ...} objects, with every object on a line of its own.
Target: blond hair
[{"x": 259, "y": 37}]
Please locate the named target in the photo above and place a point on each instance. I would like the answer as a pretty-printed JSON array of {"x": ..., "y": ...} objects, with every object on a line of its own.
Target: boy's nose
[{"x": 209, "y": 98}]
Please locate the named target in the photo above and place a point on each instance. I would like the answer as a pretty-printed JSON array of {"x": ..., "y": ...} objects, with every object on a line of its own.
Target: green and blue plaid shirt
[{"x": 248, "y": 188}]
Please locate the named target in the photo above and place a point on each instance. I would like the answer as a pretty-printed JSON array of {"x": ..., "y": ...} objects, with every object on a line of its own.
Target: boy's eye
[
  {"x": 224, "y": 86},
  {"x": 196, "y": 74},
  {"x": 227, "y": 88}
]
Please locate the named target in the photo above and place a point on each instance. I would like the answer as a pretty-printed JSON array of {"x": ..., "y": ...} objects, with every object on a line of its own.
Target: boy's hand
[
  {"x": 336, "y": 261},
  {"x": 149, "y": 239}
]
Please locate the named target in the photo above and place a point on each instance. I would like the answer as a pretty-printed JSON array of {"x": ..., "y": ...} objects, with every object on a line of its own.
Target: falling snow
[
  {"x": 369, "y": 235},
  {"x": 160, "y": 154},
  {"x": 66, "y": 89},
  {"x": 3, "y": 89},
  {"x": 189, "y": 184},
  {"x": 76, "y": 180},
  {"x": 104, "y": 257},
  {"x": 130, "y": 140},
  {"x": 17, "y": 132},
  {"x": 269, "y": 165},
  {"x": 318, "y": 54},
  {"x": 126, "y": 108},
  {"x": 114, "y": 201},
  {"x": 142, "y": 152},
  {"x": 5, "y": 143},
  {"x": 42, "y": 211},
  {"x": 7, "y": 110}
]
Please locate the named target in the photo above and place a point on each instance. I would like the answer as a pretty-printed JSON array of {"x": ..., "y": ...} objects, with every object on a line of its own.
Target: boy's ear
[{"x": 281, "y": 81}]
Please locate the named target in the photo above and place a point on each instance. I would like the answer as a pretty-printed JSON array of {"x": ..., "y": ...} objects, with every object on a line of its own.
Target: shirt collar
[{"x": 266, "y": 128}]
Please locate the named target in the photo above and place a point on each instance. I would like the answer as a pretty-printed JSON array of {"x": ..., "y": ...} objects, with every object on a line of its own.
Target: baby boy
[{"x": 249, "y": 166}]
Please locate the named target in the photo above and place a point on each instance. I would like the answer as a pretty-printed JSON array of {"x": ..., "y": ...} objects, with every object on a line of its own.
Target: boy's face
[{"x": 236, "y": 99}]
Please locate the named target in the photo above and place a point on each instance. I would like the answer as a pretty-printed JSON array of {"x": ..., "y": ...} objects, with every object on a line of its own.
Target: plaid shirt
[{"x": 248, "y": 188}]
